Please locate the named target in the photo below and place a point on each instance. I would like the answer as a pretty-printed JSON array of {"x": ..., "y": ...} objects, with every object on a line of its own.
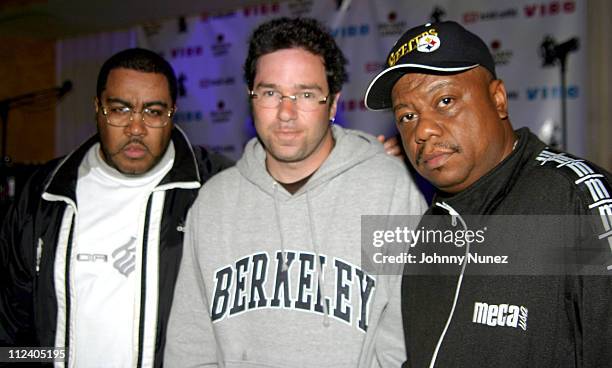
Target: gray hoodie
[{"x": 270, "y": 279}]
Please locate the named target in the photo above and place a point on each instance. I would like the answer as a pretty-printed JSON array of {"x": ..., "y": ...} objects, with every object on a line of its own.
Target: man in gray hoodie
[{"x": 272, "y": 272}]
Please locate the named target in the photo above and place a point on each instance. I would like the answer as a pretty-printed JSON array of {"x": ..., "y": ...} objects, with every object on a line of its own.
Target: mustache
[
  {"x": 443, "y": 145},
  {"x": 137, "y": 141}
]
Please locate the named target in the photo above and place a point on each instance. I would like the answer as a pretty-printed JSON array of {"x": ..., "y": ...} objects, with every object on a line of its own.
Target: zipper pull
[{"x": 38, "y": 254}]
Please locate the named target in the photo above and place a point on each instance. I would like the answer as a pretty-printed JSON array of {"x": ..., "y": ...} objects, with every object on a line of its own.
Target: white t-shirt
[{"x": 111, "y": 209}]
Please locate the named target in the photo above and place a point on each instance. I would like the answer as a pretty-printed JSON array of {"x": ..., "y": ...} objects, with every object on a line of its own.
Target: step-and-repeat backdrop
[{"x": 208, "y": 51}]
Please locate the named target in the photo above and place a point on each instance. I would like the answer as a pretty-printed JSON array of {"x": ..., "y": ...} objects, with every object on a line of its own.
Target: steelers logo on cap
[{"x": 428, "y": 43}]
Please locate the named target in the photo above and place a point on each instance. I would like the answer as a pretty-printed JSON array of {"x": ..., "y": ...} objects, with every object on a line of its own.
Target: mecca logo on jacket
[
  {"x": 505, "y": 315},
  {"x": 258, "y": 281}
]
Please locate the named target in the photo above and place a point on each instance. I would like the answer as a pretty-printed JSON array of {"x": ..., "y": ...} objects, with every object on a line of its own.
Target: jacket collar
[
  {"x": 62, "y": 182},
  {"x": 486, "y": 193}
]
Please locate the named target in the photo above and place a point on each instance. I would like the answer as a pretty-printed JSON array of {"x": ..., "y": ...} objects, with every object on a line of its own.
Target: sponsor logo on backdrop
[
  {"x": 186, "y": 52},
  {"x": 551, "y": 92},
  {"x": 479, "y": 16},
  {"x": 205, "y": 17},
  {"x": 182, "y": 25},
  {"x": 220, "y": 47},
  {"x": 216, "y": 82},
  {"x": 351, "y": 105},
  {"x": 501, "y": 56},
  {"x": 220, "y": 115},
  {"x": 182, "y": 90},
  {"x": 551, "y": 8},
  {"x": 188, "y": 116},
  {"x": 512, "y": 94},
  {"x": 351, "y": 30},
  {"x": 392, "y": 27},
  {"x": 373, "y": 66},
  {"x": 262, "y": 9},
  {"x": 300, "y": 8},
  {"x": 151, "y": 28},
  {"x": 437, "y": 14}
]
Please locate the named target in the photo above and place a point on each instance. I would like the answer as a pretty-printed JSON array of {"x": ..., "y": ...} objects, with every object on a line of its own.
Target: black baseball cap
[{"x": 444, "y": 47}]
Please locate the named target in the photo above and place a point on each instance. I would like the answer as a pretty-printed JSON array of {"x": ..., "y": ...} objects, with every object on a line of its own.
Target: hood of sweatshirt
[{"x": 351, "y": 148}]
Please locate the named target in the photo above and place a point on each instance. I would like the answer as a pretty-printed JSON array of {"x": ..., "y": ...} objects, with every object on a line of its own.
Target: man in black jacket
[
  {"x": 90, "y": 251},
  {"x": 539, "y": 304}
]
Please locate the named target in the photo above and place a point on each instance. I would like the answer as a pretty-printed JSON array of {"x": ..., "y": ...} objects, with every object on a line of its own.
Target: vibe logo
[
  {"x": 351, "y": 105},
  {"x": 548, "y": 92},
  {"x": 351, "y": 31},
  {"x": 263, "y": 9},
  {"x": 374, "y": 66},
  {"x": 503, "y": 315},
  {"x": 186, "y": 52},
  {"x": 549, "y": 9},
  {"x": 187, "y": 116}
]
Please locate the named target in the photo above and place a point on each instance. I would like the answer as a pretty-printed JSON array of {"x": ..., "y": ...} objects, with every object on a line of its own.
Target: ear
[
  {"x": 96, "y": 104},
  {"x": 334, "y": 105},
  {"x": 497, "y": 92}
]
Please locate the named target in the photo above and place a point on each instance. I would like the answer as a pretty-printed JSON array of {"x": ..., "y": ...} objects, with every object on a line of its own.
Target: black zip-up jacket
[
  {"x": 518, "y": 319},
  {"x": 36, "y": 250}
]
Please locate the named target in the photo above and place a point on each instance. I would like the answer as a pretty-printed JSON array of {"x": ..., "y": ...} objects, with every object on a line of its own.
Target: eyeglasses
[
  {"x": 304, "y": 101},
  {"x": 121, "y": 116}
]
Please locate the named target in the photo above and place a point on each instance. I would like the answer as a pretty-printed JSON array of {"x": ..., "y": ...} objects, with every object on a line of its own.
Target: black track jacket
[
  {"x": 519, "y": 320},
  {"x": 36, "y": 240}
]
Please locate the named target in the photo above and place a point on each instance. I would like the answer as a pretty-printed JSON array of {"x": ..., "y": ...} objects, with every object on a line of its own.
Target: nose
[
  {"x": 287, "y": 110},
  {"x": 426, "y": 128},
  {"x": 136, "y": 126}
]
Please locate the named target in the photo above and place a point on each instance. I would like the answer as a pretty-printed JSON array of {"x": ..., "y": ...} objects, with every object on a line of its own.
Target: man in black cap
[{"x": 452, "y": 113}]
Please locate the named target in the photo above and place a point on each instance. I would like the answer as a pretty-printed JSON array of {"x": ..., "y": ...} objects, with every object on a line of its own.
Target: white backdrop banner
[{"x": 208, "y": 51}]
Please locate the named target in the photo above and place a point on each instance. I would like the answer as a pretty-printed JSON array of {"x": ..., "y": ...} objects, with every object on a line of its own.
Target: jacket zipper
[{"x": 39, "y": 248}]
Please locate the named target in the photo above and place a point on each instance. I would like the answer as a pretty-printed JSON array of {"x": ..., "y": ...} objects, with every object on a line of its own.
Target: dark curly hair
[
  {"x": 141, "y": 60},
  {"x": 305, "y": 33}
]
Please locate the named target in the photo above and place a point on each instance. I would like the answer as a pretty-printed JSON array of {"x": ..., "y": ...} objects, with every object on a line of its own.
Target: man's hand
[{"x": 392, "y": 146}]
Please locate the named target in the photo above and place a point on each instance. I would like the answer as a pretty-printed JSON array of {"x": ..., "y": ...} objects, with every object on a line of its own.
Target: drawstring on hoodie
[
  {"x": 454, "y": 216},
  {"x": 285, "y": 267}
]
